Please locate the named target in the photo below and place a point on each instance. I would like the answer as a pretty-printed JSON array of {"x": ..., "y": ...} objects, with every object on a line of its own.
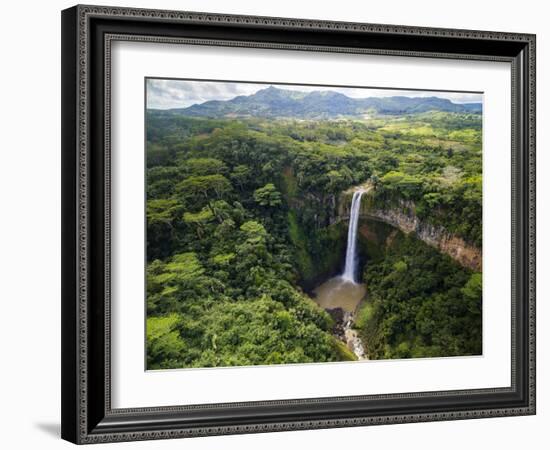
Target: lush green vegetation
[
  {"x": 436, "y": 168},
  {"x": 241, "y": 218},
  {"x": 420, "y": 304}
]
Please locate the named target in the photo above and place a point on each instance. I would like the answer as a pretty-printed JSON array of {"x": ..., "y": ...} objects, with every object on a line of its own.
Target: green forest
[{"x": 243, "y": 223}]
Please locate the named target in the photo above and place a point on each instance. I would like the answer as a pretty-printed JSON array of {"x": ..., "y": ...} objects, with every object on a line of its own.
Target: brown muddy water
[{"x": 339, "y": 293}]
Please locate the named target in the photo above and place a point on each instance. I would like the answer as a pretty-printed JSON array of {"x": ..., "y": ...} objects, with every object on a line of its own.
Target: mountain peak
[
  {"x": 273, "y": 101},
  {"x": 270, "y": 90}
]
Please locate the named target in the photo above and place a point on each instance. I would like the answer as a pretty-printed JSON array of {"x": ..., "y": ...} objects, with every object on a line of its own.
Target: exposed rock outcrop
[
  {"x": 404, "y": 218},
  {"x": 343, "y": 330}
]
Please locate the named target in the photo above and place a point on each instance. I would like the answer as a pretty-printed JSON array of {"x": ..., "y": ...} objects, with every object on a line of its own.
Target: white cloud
[{"x": 166, "y": 94}]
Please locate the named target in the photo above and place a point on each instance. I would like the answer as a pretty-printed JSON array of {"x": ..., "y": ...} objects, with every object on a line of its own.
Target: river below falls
[{"x": 341, "y": 297}]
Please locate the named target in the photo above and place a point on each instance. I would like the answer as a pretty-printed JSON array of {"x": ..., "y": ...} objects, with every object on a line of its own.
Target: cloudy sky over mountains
[{"x": 167, "y": 94}]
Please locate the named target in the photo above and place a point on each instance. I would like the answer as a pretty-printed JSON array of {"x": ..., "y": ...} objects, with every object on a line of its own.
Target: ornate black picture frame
[{"x": 87, "y": 34}]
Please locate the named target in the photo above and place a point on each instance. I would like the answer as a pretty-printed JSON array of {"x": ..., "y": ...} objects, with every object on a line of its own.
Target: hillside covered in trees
[{"x": 241, "y": 226}]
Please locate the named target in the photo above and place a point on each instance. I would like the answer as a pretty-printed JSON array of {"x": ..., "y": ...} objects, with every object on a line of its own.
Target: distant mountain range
[{"x": 274, "y": 102}]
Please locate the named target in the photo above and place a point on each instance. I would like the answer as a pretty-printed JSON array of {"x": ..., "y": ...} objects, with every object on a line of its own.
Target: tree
[
  {"x": 159, "y": 155},
  {"x": 161, "y": 214},
  {"x": 473, "y": 291},
  {"x": 203, "y": 166},
  {"x": 205, "y": 187},
  {"x": 164, "y": 344},
  {"x": 241, "y": 176},
  {"x": 221, "y": 210},
  {"x": 268, "y": 196},
  {"x": 199, "y": 219},
  {"x": 254, "y": 232}
]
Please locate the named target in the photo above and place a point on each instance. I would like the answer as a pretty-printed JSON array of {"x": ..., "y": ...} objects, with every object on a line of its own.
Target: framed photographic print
[{"x": 280, "y": 224}]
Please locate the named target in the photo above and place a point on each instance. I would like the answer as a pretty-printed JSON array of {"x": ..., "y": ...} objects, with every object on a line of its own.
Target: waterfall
[{"x": 351, "y": 258}]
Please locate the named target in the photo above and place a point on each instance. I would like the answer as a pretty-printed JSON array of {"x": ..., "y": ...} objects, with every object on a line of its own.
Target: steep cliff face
[
  {"x": 403, "y": 217},
  {"x": 318, "y": 237}
]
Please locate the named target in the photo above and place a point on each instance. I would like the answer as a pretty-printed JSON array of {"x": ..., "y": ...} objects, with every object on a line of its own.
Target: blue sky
[{"x": 166, "y": 94}]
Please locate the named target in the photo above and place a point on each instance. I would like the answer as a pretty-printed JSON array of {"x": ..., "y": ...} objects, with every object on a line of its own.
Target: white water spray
[{"x": 351, "y": 258}]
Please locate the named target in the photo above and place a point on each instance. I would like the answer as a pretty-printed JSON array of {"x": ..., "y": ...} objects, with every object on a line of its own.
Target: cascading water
[
  {"x": 341, "y": 295},
  {"x": 350, "y": 267}
]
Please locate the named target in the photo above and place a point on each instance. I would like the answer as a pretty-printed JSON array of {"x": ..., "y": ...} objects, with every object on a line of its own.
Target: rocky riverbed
[{"x": 343, "y": 330}]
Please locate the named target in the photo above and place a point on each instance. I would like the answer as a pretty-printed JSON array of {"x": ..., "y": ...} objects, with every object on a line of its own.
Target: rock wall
[{"x": 404, "y": 218}]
